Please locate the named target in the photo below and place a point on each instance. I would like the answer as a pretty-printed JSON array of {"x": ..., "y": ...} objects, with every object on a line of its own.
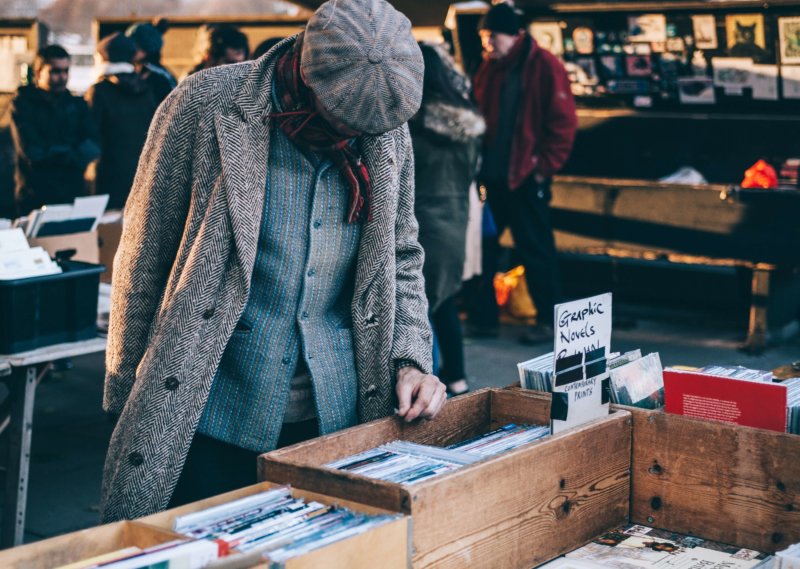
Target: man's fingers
[
  {"x": 423, "y": 399},
  {"x": 436, "y": 404},
  {"x": 405, "y": 391}
]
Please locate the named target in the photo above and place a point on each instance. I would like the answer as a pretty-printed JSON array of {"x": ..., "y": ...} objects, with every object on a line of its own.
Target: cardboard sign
[{"x": 582, "y": 343}]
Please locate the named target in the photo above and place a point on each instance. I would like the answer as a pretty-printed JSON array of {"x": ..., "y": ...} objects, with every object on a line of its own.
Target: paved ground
[{"x": 71, "y": 433}]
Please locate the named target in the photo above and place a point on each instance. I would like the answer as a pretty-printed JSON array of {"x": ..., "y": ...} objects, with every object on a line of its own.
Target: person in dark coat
[
  {"x": 122, "y": 104},
  {"x": 149, "y": 40},
  {"x": 524, "y": 93},
  {"x": 446, "y": 135},
  {"x": 225, "y": 44},
  {"x": 54, "y": 136}
]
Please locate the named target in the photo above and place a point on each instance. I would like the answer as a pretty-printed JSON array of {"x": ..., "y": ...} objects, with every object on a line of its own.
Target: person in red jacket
[{"x": 524, "y": 94}]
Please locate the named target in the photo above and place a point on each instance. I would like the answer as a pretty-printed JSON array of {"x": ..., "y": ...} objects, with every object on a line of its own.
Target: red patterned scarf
[{"x": 305, "y": 127}]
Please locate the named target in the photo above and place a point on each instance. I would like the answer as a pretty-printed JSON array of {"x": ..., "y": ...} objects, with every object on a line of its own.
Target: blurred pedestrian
[
  {"x": 524, "y": 94},
  {"x": 54, "y": 135},
  {"x": 224, "y": 44},
  {"x": 446, "y": 133},
  {"x": 149, "y": 40},
  {"x": 268, "y": 286},
  {"x": 122, "y": 104}
]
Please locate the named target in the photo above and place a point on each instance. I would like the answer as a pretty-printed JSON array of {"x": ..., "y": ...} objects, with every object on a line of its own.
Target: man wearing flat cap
[{"x": 268, "y": 285}]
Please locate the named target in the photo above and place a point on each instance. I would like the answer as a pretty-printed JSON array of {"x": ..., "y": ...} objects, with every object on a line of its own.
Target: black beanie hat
[
  {"x": 117, "y": 48},
  {"x": 501, "y": 18}
]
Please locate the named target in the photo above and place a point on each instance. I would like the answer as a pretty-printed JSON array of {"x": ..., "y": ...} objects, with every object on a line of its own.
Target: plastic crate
[{"x": 41, "y": 311}]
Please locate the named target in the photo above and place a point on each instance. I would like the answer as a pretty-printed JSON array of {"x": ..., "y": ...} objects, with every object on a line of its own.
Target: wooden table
[{"x": 22, "y": 373}]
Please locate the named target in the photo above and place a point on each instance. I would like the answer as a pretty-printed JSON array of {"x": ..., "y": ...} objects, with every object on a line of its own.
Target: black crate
[{"x": 41, "y": 311}]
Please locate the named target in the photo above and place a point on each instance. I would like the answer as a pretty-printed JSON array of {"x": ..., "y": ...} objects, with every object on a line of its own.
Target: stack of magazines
[
  {"x": 643, "y": 547},
  {"x": 501, "y": 440},
  {"x": 537, "y": 374},
  {"x": 276, "y": 526},
  {"x": 404, "y": 462},
  {"x": 637, "y": 381}
]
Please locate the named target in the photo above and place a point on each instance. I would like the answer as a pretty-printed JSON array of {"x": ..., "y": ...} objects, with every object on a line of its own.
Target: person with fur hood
[{"x": 446, "y": 134}]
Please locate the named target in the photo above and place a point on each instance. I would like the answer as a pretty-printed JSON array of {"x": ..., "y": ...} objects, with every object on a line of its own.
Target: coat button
[
  {"x": 371, "y": 391},
  {"x": 136, "y": 458},
  {"x": 208, "y": 313},
  {"x": 171, "y": 383}
]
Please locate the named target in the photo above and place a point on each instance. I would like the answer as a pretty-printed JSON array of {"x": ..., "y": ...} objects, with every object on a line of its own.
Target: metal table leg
[{"x": 22, "y": 389}]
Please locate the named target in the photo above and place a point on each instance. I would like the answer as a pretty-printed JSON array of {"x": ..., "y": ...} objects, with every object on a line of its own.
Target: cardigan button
[
  {"x": 171, "y": 383},
  {"x": 136, "y": 458},
  {"x": 371, "y": 391},
  {"x": 208, "y": 313}
]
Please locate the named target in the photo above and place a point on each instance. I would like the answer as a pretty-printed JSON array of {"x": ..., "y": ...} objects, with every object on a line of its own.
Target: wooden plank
[
  {"x": 724, "y": 482},
  {"x": 529, "y": 505},
  {"x": 516, "y": 406},
  {"x": 83, "y": 544}
]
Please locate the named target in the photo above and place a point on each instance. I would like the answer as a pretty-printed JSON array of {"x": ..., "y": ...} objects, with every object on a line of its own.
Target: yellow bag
[{"x": 511, "y": 292}]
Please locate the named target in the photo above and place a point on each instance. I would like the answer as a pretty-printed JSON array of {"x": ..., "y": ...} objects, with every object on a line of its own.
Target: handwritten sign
[
  {"x": 583, "y": 326},
  {"x": 582, "y": 344}
]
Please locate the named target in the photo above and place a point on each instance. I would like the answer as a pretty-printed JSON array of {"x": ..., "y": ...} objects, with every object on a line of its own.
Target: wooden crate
[
  {"x": 84, "y": 544},
  {"x": 719, "y": 481},
  {"x": 388, "y": 542},
  {"x": 515, "y": 510}
]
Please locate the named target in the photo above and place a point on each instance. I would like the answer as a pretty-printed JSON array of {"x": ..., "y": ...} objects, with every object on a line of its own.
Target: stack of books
[
  {"x": 728, "y": 394},
  {"x": 275, "y": 526},
  {"x": 409, "y": 463},
  {"x": 644, "y": 548},
  {"x": 537, "y": 374}
]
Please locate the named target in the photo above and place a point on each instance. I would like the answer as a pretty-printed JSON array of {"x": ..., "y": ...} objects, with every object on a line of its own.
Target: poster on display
[
  {"x": 611, "y": 67},
  {"x": 732, "y": 74},
  {"x": 589, "y": 71},
  {"x": 764, "y": 81},
  {"x": 696, "y": 91},
  {"x": 647, "y": 28},
  {"x": 13, "y": 50},
  {"x": 584, "y": 40},
  {"x": 639, "y": 65},
  {"x": 789, "y": 30},
  {"x": 746, "y": 38},
  {"x": 791, "y": 81},
  {"x": 548, "y": 36},
  {"x": 705, "y": 31}
]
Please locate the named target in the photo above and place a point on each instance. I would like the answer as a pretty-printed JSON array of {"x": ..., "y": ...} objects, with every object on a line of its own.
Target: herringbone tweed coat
[{"x": 182, "y": 275}]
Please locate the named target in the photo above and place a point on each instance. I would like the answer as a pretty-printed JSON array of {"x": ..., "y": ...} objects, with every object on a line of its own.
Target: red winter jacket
[{"x": 546, "y": 121}]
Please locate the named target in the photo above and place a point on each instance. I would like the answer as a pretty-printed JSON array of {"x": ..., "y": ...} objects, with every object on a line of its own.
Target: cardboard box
[
  {"x": 85, "y": 244},
  {"x": 85, "y": 544},
  {"x": 514, "y": 510},
  {"x": 387, "y": 543},
  {"x": 109, "y": 235}
]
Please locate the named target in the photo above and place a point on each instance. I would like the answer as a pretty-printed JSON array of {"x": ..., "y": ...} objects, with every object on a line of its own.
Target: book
[
  {"x": 641, "y": 547},
  {"x": 726, "y": 399},
  {"x": 637, "y": 382}
]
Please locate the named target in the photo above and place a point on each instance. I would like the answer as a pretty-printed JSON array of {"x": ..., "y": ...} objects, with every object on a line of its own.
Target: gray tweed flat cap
[{"x": 362, "y": 63}]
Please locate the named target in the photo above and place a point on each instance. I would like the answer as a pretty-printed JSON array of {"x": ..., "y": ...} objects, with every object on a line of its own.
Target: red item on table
[{"x": 760, "y": 175}]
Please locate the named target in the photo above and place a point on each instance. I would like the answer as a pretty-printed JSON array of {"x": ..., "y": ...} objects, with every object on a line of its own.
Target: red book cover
[{"x": 747, "y": 403}]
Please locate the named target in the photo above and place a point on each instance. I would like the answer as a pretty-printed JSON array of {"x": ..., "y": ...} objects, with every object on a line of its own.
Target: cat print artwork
[{"x": 746, "y": 36}]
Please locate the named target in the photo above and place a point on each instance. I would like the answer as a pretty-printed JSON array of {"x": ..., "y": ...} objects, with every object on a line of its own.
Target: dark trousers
[
  {"x": 213, "y": 467},
  {"x": 450, "y": 337},
  {"x": 526, "y": 211}
]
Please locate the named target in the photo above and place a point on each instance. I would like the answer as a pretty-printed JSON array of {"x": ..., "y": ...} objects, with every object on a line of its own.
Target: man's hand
[{"x": 419, "y": 394}]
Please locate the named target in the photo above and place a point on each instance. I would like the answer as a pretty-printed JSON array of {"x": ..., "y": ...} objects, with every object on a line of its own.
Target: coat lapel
[{"x": 379, "y": 155}]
